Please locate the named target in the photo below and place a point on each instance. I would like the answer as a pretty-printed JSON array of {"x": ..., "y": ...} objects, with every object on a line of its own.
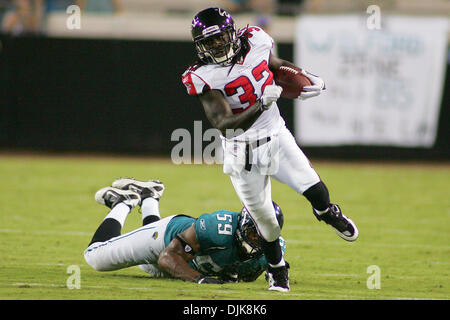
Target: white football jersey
[{"x": 242, "y": 84}]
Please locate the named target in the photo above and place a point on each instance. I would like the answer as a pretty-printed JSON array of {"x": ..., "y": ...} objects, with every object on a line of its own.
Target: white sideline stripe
[
  {"x": 396, "y": 231},
  {"x": 46, "y": 264},
  {"x": 60, "y": 233},
  {"x": 269, "y": 294},
  {"x": 376, "y": 244},
  {"x": 339, "y": 275}
]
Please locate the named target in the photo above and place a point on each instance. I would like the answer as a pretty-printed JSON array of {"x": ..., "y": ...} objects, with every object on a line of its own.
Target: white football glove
[
  {"x": 316, "y": 87},
  {"x": 271, "y": 94}
]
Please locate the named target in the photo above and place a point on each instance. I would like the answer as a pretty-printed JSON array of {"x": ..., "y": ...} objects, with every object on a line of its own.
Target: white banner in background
[{"x": 383, "y": 87}]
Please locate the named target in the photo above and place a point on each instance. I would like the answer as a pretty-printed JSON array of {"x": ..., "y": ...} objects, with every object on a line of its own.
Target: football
[{"x": 291, "y": 80}]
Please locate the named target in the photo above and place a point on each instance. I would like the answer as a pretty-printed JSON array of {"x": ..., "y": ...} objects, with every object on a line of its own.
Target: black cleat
[
  {"x": 278, "y": 278},
  {"x": 345, "y": 227}
]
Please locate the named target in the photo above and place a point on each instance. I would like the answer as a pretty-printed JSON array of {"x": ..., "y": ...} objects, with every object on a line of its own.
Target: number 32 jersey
[{"x": 242, "y": 84}]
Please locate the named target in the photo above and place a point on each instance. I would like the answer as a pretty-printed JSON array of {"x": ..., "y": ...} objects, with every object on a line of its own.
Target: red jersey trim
[{"x": 187, "y": 81}]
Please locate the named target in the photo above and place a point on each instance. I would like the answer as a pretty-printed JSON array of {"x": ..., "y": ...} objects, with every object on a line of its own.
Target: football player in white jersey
[{"x": 233, "y": 78}]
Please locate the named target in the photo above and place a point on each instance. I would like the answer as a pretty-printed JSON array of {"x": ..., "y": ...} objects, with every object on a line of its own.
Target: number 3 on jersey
[
  {"x": 225, "y": 228},
  {"x": 249, "y": 96}
]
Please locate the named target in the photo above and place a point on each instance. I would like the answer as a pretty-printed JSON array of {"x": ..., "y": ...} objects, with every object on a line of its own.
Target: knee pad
[{"x": 318, "y": 196}]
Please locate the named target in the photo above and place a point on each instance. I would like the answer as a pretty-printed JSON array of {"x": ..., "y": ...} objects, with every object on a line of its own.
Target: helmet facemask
[
  {"x": 247, "y": 238},
  {"x": 218, "y": 46}
]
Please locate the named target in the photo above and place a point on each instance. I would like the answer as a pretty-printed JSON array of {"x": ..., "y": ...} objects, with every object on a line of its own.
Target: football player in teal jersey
[{"x": 216, "y": 247}]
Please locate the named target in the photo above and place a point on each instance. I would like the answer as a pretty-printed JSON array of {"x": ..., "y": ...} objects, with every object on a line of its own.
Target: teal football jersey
[
  {"x": 215, "y": 234},
  {"x": 218, "y": 255},
  {"x": 176, "y": 226}
]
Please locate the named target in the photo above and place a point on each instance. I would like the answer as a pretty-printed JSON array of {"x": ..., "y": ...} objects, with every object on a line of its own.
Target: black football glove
[
  {"x": 210, "y": 280},
  {"x": 229, "y": 277}
]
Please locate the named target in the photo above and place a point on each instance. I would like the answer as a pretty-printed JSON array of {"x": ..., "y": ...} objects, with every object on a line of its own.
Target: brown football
[{"x": 291, "y": 80}]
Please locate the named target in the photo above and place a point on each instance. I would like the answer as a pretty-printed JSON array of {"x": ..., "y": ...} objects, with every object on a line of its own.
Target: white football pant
[
  {"x": 280, "y": 158},
  {"x": 140, "y": 246}
]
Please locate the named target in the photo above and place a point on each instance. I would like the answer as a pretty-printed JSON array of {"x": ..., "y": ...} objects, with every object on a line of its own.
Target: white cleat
[
  {"x": 150, "y": 188},
  {"x": 110, "y": 197}
]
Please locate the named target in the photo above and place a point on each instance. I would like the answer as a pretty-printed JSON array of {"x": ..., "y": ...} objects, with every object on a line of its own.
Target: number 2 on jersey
[{"x": 243, "y": 82}]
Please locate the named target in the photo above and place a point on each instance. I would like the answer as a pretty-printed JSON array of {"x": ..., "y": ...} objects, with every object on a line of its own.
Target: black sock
[
  {"x": 272, "y": 251},
  {"x": 150, "y": 219},
  {"x": 108, "y": 229},
  {"x": 318, "y": 196}
]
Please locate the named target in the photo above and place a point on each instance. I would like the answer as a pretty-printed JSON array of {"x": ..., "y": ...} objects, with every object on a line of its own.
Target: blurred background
[{"x": 113, "y": 84}]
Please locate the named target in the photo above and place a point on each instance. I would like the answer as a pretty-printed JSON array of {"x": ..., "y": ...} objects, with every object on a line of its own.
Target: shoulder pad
[{"x": 194, "y": 83}]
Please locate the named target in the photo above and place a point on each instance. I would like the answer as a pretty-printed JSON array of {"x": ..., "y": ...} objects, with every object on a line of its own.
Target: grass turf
[{"x": 48, "y": 216}]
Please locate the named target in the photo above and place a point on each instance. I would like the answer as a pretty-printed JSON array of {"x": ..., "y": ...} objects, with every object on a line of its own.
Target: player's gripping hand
[
  {"x": 316, "y": 87},
  {"x": 271, "y": 94},
  {"x": 229, "y": 277},
  {"x": 210, "y": 280}
]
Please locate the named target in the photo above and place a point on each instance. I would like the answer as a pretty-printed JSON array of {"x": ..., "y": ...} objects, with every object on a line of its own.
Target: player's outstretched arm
[
  {"x": 219, "y": 113},
  {"x": 176, "y": 256}
]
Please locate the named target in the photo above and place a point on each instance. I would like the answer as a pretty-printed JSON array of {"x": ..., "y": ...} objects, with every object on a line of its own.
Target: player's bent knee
[
  {"x": 92, "y": 263},
  {"x": 268, "y": 228},
  {"x": 92, "y": 260}
]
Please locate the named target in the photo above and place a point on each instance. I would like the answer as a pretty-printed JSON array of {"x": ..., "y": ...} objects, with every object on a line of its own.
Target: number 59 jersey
[
  {"x": 215, "y": 235},
  {"x": 242, "y": 84},
  {"x": 218, "y": 254}
]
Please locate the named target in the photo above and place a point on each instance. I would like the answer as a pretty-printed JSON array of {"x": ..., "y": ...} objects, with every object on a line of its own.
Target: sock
[
  {"x": 119, "y": 212},
  {"x": 150, "y": 211},
  {"x": 282, "y": 263},
  {"x": 108, "y": 229},
  {"x": 318, "y": 196},
  {"x": 273, "y": 253},
  {"x": 112, "y": 224}
]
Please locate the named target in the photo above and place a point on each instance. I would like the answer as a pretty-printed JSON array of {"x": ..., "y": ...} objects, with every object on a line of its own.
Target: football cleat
[
  {"x": 146, "y": 189},
  {"x": 278, "y": 278},
  {"x": 345, "y": 227},
  {"x": 111, "y": 197}
]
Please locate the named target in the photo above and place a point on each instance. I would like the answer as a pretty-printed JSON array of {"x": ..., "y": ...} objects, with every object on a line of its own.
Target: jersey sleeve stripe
[
  {"x": 194, "y": 85},
  {"x": 206, "y": 83}
]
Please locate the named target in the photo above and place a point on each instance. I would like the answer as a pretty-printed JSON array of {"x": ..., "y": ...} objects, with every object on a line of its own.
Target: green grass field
[{"x": 48, "y": 215}]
